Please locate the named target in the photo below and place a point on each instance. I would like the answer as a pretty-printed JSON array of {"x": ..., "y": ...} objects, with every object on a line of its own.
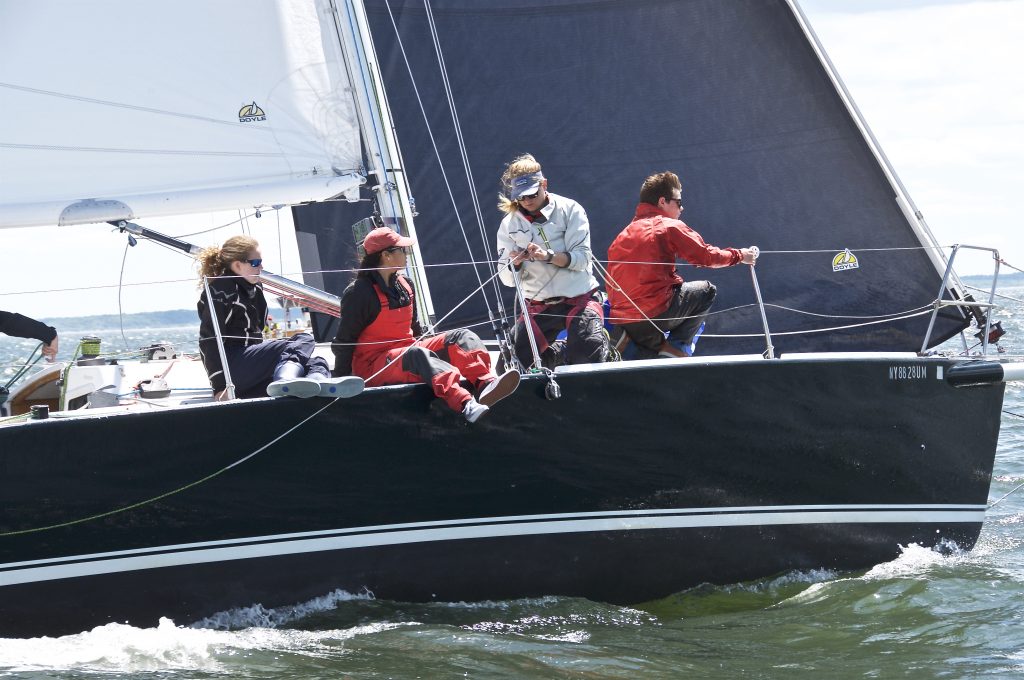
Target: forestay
[{"x": 121, "y": 109}]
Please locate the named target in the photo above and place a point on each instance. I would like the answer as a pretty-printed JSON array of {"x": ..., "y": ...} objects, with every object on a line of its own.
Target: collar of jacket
[{"x": 646, "y": 210}]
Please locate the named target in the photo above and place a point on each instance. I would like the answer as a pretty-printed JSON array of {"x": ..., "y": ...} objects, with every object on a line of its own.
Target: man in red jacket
[{"x": 648, "y": 298}]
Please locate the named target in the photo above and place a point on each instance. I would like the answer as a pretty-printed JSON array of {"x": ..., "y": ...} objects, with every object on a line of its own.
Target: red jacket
[{"x": 652, "y": 236}]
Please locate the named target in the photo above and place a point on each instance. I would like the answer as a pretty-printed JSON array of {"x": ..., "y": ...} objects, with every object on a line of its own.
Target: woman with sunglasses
[
  {"x": 377, "y": 337},
  {"x": 546, "y": 238},
  {"x": 258, "y": 367}
]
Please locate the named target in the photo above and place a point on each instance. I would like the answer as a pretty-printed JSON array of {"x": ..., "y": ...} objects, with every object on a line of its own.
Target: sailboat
[{"x": 829, "y": 443}]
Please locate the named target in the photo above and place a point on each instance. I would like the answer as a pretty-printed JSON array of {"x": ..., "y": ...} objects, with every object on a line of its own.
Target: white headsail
[{"x": 118, "y": 109}]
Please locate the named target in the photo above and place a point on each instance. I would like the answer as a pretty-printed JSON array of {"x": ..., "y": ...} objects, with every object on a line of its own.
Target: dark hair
[
  {"x": 659, "y": 186},
  {"x": 369, "y": 264}
]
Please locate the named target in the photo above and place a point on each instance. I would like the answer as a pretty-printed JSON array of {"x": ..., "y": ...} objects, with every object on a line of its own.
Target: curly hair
[{"x": 216, "y": 261}]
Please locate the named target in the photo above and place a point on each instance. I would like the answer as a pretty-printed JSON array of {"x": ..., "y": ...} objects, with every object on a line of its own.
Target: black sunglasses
[
  {"x": 530, "y": 197},
  {"x": 679, "y": 201},
  {"x": 393, "y": 249},
  {"x": 256, "y": 262}
]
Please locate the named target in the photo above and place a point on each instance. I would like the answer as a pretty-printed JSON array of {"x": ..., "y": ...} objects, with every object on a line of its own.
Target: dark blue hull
[{"x": 644, "y": 479}]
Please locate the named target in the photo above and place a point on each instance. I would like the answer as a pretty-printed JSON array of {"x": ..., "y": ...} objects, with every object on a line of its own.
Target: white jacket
[{"x": 566, "y": 230}]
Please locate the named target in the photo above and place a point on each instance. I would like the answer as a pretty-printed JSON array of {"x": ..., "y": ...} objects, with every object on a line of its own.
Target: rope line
[
  {"x": 1007, "y": 264},
  {"x": 1005, "y": 496},
  {"x": 998, "y": 295}
]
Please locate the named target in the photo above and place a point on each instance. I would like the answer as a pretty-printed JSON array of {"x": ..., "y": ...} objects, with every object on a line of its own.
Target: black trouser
[
  {"x": 686, "y": 311},
  {"x": 252, "y": 367},
  {"x": 586, "y": 341}
]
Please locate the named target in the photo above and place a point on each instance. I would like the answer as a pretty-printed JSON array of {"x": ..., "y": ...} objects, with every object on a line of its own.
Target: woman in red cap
[{"x": 377, "y": 336}]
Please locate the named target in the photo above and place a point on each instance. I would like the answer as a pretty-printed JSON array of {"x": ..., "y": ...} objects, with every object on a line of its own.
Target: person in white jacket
[{"x": 546, "y": 238}]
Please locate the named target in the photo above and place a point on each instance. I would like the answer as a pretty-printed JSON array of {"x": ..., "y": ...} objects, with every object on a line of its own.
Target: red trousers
[{"x": 442, "y": 361}]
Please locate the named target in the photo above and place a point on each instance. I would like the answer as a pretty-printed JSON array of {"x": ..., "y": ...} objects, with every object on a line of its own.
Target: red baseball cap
[{"x": 383, "y": 238}]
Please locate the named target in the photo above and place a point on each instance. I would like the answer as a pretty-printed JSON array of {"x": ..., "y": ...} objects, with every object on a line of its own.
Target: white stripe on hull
[{"x": 493, "y": 527}]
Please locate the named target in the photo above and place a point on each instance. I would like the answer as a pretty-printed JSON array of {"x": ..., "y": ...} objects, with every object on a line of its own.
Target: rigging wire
[
  {"x": 120, "y": 280},
  {"x": 998, "y": 295},
  {"x": 457, "y": 126},
  {"x": 444, "y": 174},
  {"x": 206, "y": 231},
  {"x": 1007, "y": 264},
  {"x": 1005, "y": 496},
  {"x": 858, "y": 250},
  {"x": 280, "y": 248}
]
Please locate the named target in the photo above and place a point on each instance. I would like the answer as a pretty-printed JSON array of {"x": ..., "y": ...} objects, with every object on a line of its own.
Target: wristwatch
[{"x": 550, "y": 257}]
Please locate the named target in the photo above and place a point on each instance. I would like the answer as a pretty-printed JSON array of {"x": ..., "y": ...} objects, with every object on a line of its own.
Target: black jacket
[
  {"x": 360, "y": 306},
  {"x": 23, "y": 327},
  {"x": 242, "y": 314}
]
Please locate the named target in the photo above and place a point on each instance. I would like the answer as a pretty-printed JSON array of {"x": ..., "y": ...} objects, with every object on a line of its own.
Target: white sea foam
[
  {"x": 503, "y": 604},
  {"x": 125, "y": 649},
  {"x": 576, "y": 636},
  {"x": 259, "y": 616},
  {"x": 116, "y": 647},
  {"x": 913, "y": 562},
  {"x": 207, "y": 645}
]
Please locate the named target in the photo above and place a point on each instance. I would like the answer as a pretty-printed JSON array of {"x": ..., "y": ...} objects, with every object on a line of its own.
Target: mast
[{"x": 391, "y": 185}]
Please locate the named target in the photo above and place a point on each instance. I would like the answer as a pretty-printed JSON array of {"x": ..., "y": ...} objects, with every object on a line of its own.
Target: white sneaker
[
  {"x": 295, "y": 387},
  {"x": 499, "y": 388},
  {"x": 474, "y": 410},
  {"x": 341, "y": 388}
]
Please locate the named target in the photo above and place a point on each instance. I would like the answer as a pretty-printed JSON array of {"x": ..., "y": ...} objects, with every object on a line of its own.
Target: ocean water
[{"x": 923, "y": 615}]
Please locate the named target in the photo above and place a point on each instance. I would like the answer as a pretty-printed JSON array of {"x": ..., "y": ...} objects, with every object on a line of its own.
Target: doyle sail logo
[
  {"x": 251, "y": 113},
  {"x": 845, "y": 260}
]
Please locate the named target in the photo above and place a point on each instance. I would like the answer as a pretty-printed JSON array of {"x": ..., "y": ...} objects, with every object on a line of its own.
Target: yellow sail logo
[
  {"x": 845, "y": 260},
  {"x": 251, "y": 113}
]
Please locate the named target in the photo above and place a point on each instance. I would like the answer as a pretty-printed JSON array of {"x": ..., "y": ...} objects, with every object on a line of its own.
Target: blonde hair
[
  {"x": 521, "y": 165},
  {"x": 216, "y": 261}
]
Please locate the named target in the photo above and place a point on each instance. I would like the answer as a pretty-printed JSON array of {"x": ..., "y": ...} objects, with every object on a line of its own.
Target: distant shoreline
[{"x": 173, "y": 318}]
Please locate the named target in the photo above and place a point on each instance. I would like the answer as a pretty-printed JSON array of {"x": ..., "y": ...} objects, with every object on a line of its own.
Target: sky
[{"x": 938, "y": 82}]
